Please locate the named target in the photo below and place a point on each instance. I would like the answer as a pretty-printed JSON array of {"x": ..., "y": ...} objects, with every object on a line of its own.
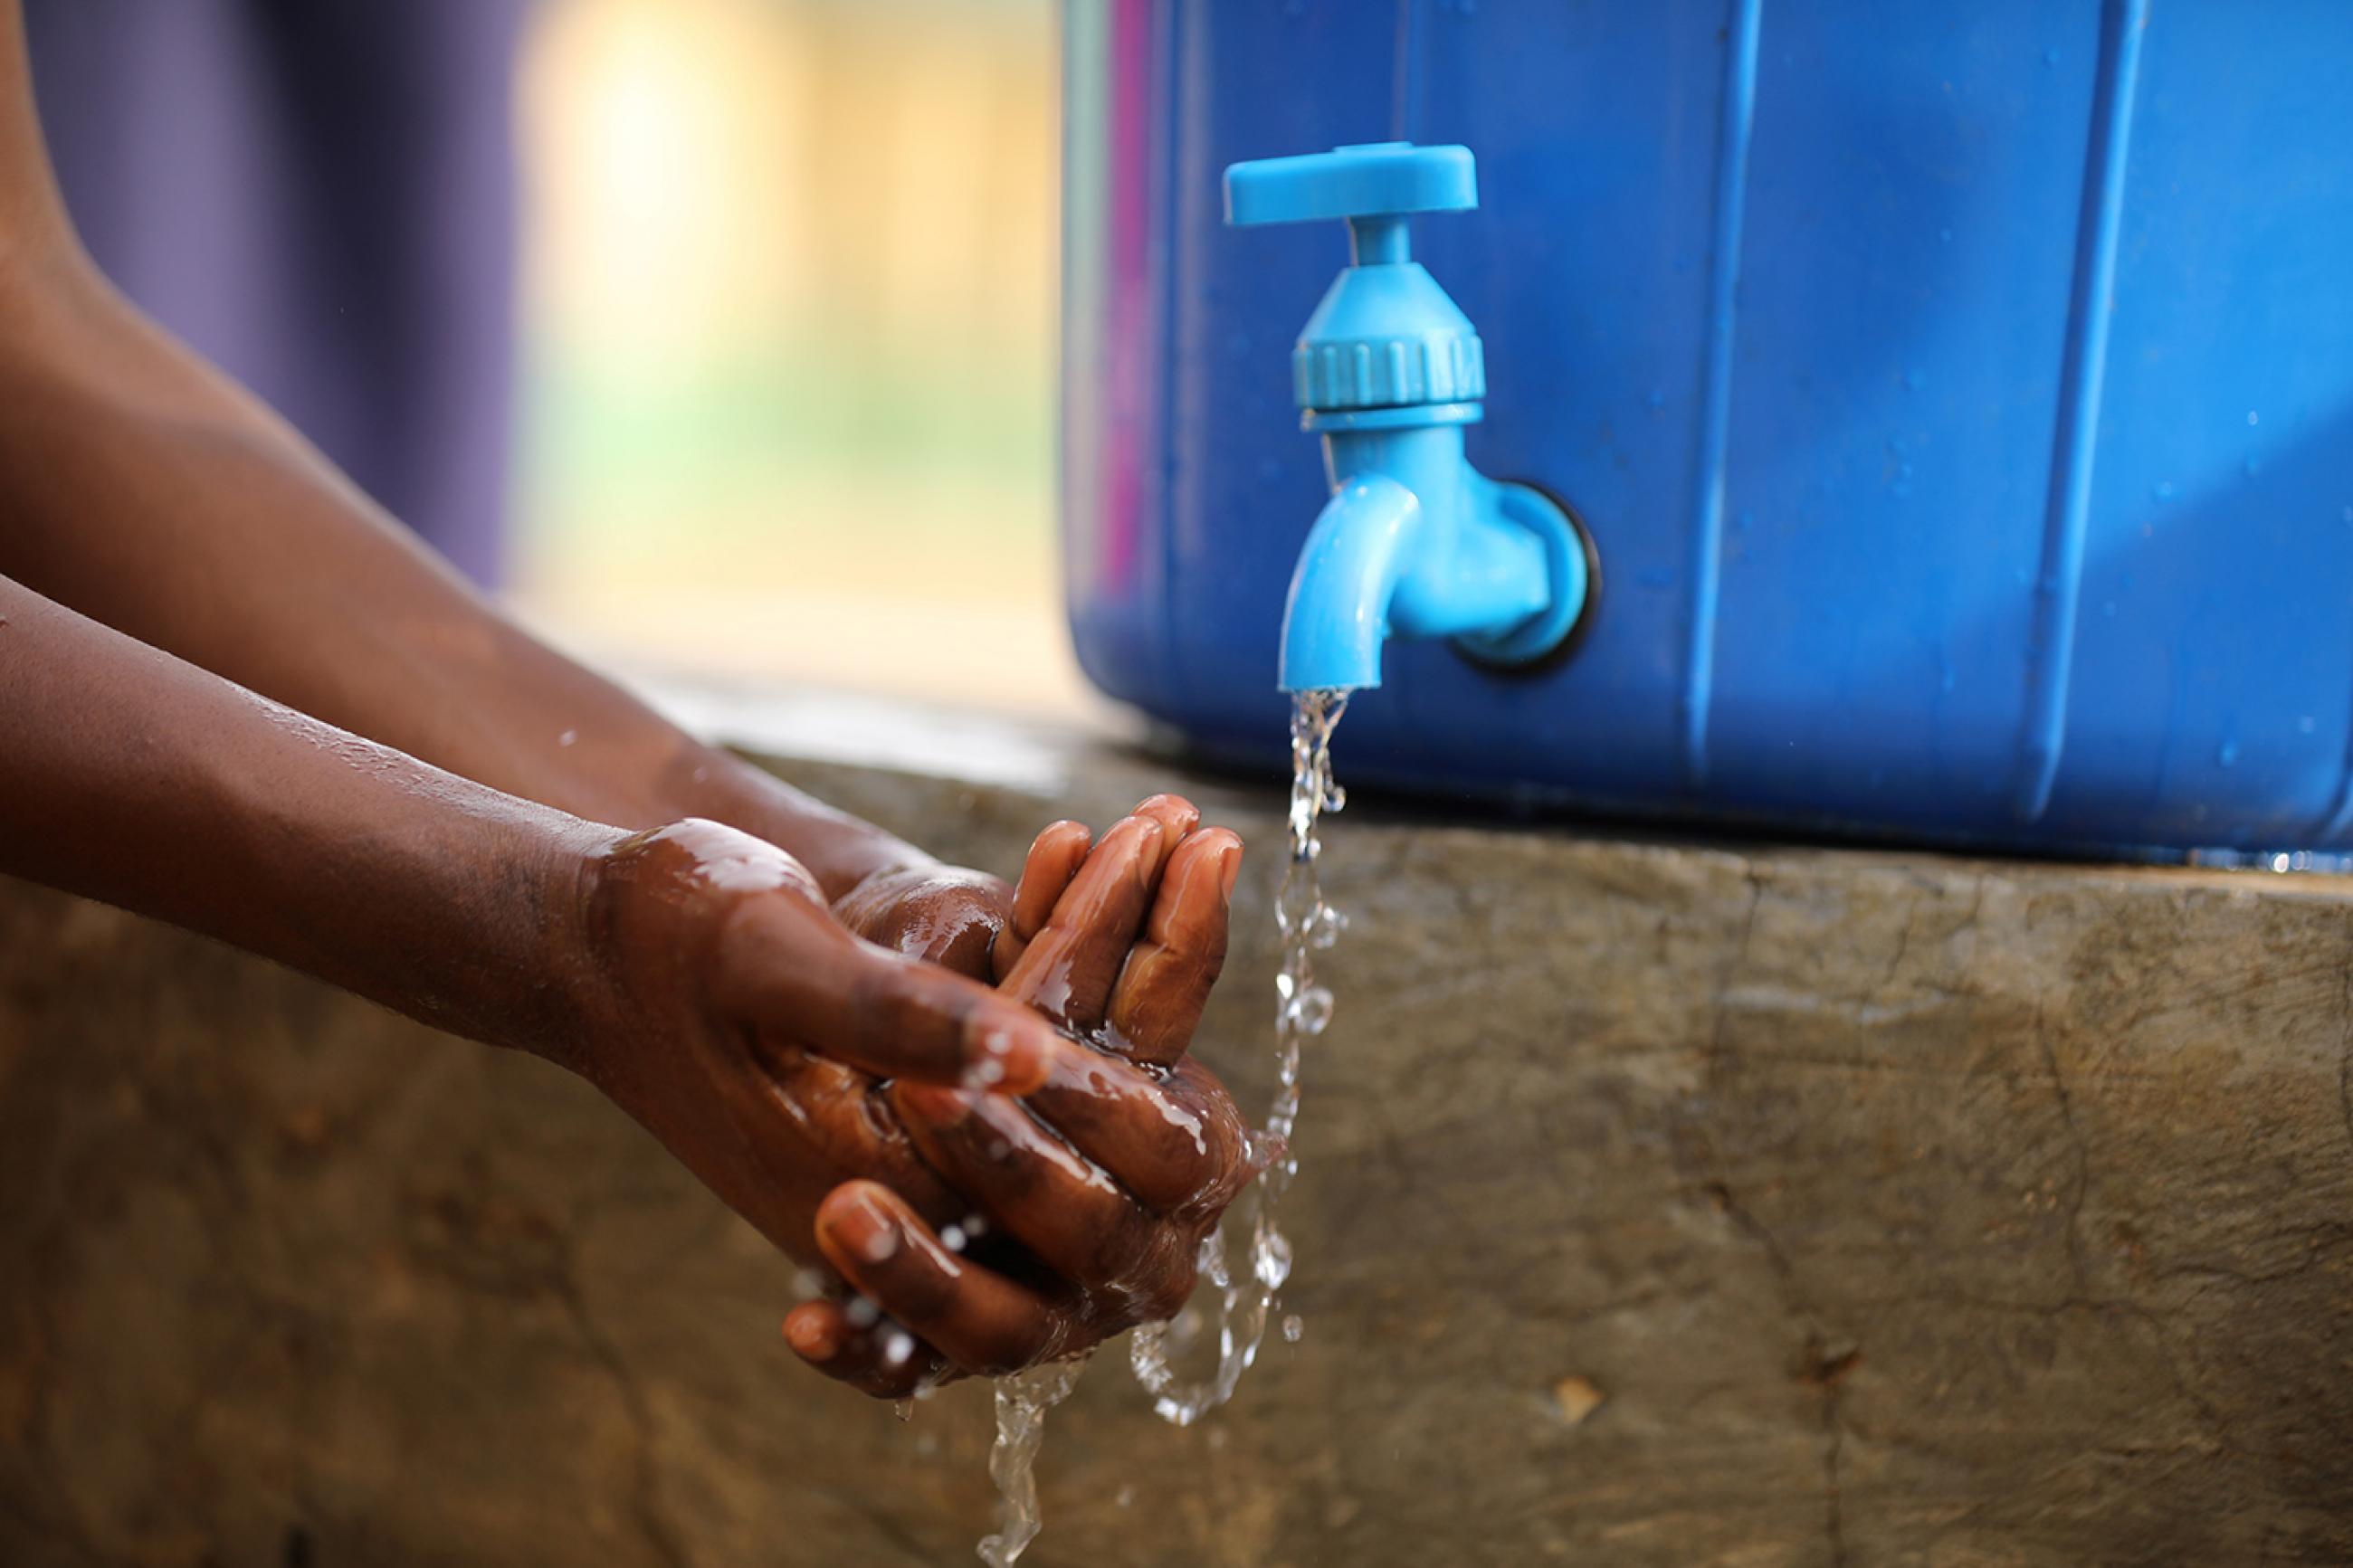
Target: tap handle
[{"x": 1364, "y": 184}]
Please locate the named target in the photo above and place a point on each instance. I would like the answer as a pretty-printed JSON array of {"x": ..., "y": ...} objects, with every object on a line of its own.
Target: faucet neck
[
  {"x": 1379, "y": 240},
  {"x": 1426, "y": 459}
]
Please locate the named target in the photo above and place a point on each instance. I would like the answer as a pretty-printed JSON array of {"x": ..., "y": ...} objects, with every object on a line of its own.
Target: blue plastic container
[{"x": 1960, "y": 398}]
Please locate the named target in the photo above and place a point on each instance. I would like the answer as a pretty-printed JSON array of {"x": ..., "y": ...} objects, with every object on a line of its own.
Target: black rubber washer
[{"x": 1579, "y": 628}]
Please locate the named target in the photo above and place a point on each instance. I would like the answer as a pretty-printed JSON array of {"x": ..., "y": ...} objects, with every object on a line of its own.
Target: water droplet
[
  {"x": 1293, "y": 1328},
  {"x": 569, "y": 738},
  {"x": 2254, "y": 417},
  {"x": 1125, "y": 1495},
  {"x": 861, "y": 1314},
  {"x": 953, "y": 1237},
  {"x": 1311, "y": 1014},
  {"x": 905, "y": 1409},
  {"x": 2306, "y": 723},
  {"x": 2162, "y": 490},
  {"x": 2226, "y": 753},
  {"x": 1270, "y": 1259}
]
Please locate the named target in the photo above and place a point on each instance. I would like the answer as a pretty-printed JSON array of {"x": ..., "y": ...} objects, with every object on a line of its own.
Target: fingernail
[
  {"x": 812, "y": 1335},
  {"x": 1230, "y": 871},
  {"x": 1020, "y": 1060},
  {"x": 865, "y": 1228},
  {"x": 943, "y": 1107}
]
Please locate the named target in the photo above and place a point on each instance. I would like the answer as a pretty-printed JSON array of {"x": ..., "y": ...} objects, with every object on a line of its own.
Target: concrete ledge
[{"x": 1662, "y": 1204}]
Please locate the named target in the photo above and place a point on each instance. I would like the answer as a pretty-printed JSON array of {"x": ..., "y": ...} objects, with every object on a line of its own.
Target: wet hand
[
  {"x": 1092, "y": 1202},
  {"x": 947, "y": 915},
  {"x": 735, "y": 1016}
]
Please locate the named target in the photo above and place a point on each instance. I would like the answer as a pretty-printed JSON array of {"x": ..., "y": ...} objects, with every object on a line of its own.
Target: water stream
[
  {"x": 1305, "y": 924},
  {"x": 1022, "y": 1401}
]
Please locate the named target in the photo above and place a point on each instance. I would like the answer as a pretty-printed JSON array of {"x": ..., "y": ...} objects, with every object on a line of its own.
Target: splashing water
[
  {"x": 1022, "y": 1401},
  {"x": 1307, "y": 925}
]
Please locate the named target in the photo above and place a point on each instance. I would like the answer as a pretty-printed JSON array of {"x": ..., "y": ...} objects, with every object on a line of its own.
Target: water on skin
[{"x": 1306, "y": 924}]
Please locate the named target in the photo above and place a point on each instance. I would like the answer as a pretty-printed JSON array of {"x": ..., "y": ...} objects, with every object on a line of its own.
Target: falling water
[
  {"x": 1022, "y": 1401},
  {"x": 1307, "y": 925}
]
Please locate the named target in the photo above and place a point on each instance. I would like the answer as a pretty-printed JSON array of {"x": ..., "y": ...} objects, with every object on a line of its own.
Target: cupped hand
[
  {"x": 1090, "y": 1198},
  {"x": 735, "y": 1017},
  {"x": 947, "y": 915}
]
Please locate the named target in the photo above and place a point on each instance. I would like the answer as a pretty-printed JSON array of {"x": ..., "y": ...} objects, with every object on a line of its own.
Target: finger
[
  {"x": 1178, "y": 816},
  {"x": 1067, "y": 972},
  {"x": 1176, "y": 1145},
  {"x": 847, "y": 1119},
  {"x": 1065, "y": 1209},
  {"x": 976, "y": 1317},
  {"x": 880, "y": 1358},
  {"x": 1054, "y": 860},
  {"x": 794, "y": 973},
  {"x": 1157, "y": 1003}
]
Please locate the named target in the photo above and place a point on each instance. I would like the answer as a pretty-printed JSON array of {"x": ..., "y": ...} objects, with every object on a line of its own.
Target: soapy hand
[{"x": 1041, "y": 1227}]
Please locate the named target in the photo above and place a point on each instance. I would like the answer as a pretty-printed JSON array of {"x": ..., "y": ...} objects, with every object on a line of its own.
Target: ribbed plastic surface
[
  {"x": 1962, "y": 402},
  {"x": 1360, "y": 374}
]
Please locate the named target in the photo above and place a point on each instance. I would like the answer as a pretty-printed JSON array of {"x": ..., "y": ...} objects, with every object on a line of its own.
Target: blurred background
[
  {"x": 744, "y": 361},
  {"x": 788, "y": 294}
]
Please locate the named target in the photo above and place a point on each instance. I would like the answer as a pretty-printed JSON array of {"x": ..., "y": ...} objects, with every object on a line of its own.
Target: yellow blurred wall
[{"x": 789, "y": 324}]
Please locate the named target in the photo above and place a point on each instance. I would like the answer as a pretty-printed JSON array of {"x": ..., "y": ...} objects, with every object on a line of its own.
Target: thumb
[{"x": 785, "y": 966}]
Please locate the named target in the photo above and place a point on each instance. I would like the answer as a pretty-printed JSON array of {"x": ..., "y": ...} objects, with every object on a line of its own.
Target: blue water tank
[{"x": 1959, "y": 397}]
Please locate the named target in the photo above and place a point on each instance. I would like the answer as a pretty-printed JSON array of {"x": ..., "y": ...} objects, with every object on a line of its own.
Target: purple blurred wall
[{"x": 319, "y": 196}]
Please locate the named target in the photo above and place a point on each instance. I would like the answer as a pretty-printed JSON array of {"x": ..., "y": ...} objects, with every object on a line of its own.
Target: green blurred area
[
  {"x": 710, "y": 470},
  {"x": 788, "y": 384}
]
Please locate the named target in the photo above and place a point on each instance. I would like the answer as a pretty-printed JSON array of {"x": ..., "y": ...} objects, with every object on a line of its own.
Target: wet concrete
[{"x": 1662, "y": 1204}]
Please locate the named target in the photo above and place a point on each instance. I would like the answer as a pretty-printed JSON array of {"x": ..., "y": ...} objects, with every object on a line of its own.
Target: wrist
[{"x": 842, "y": 851}]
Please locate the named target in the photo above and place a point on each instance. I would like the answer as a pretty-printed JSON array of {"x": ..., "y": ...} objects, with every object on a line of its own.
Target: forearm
[
  {"x": 150, "y": 494},
  {"x": 131, "y": 776}
]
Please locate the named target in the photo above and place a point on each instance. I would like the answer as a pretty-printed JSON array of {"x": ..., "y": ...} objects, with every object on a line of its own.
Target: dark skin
[
  {"x": 1098, "y": 1187},
  {"x": 235, "y": 696}
]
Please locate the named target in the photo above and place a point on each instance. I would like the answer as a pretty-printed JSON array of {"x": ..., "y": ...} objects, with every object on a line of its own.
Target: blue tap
[{"x": 1414, "y": 541}]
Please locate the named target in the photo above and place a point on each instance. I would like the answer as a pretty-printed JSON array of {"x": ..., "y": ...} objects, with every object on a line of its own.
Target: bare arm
[{"x": 142, "y": 488}]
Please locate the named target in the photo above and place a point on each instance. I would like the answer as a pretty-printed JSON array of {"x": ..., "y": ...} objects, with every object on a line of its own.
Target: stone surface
[{"x": 1663, "y": 1203}]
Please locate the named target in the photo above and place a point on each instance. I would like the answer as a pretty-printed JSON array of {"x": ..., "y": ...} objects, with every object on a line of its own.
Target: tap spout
[
  {"x": 1345, "y": 585},
  {"x": 1415, "y": 543}
]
